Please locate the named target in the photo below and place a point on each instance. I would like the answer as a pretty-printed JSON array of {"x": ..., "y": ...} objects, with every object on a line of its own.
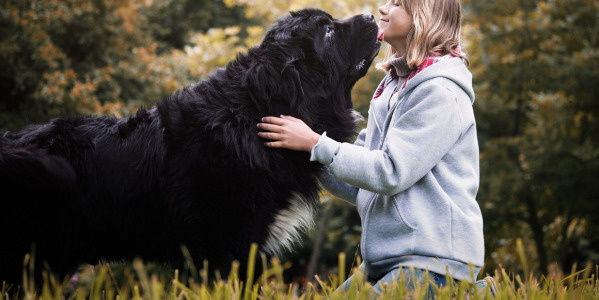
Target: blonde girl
[{"x": 413, "y": 172}]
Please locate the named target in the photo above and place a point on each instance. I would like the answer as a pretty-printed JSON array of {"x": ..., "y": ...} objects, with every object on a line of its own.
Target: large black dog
[{"x": 192, "y": 170}]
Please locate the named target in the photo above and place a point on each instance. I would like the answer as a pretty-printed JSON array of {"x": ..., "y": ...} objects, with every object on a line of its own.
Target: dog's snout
[{"x": 368, "y": 17}]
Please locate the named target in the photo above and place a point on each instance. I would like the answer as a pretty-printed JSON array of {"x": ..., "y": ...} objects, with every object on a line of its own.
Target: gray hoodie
[{"x": 413, "y": 174}]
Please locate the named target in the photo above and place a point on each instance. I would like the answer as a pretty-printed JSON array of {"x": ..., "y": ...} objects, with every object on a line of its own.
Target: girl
[{"x": 413, "y": 173}]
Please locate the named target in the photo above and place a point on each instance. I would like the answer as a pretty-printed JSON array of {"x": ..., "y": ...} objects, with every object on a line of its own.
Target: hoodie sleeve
[
  {"x": 419, "y": 136},
  {"x": 328, "y": 181},
  {"x": 338, "y": 188}
]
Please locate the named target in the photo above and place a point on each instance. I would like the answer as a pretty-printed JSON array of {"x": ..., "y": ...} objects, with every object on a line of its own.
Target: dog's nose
[{"x": 368, "y": 17}]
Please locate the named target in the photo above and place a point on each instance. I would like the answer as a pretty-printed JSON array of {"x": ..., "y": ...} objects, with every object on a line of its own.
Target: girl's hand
[{"x": 288, "y": 132}]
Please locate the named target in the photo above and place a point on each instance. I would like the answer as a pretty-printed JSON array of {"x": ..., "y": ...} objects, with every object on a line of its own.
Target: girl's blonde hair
[{"x": 436, "y": 31}]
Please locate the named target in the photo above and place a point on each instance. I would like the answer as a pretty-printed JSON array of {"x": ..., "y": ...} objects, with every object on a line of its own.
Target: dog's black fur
[{"x": 190, "y": 171}]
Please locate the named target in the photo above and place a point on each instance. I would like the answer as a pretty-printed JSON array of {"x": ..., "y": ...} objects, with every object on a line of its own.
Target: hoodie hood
[{"x": 452, "y": 68}]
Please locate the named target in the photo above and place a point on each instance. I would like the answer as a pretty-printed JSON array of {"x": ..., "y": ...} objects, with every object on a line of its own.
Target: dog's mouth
[
  {"x": 367, "y": 60},
  {"x": 360, "y": 65},
  {"x": 371, "y": 52}
]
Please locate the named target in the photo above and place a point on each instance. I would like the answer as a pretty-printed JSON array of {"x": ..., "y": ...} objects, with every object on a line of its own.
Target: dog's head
[{"x": 310, "y": 59}]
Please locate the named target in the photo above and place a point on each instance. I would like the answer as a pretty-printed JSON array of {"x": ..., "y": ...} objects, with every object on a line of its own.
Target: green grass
[{"x": 138, "y": 282}]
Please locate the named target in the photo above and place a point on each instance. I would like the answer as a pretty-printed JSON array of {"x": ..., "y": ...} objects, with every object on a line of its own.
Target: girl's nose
[{"x": 383, "y": 9}]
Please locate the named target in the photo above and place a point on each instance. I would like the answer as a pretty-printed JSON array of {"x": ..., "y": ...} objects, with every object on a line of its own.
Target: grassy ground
[{"x": 139, "y": 282}]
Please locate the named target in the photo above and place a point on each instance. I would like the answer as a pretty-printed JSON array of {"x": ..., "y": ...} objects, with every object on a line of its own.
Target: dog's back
[
  {"x": 72, "y": 186},
  {"x": 82, "y": 189}
]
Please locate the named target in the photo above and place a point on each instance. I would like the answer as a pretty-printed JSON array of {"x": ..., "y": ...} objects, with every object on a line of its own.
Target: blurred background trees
[
  {"x": 536, "y": 70},
  {"x": 535, "y": 67}
]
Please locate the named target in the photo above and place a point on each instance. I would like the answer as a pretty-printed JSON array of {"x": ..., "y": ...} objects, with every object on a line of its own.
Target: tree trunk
[{"x": 537, "y": 232}]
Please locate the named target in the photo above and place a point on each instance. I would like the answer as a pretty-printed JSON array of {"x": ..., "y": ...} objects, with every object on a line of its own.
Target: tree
[
  {"x": 73, "y": 57},
  {"x": 535, "y": 66},
  {"x": 172, "y": 22}
]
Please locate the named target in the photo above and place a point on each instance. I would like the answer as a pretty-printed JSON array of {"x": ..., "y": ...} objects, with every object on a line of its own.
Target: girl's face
[{"x": 395, "y": 24}]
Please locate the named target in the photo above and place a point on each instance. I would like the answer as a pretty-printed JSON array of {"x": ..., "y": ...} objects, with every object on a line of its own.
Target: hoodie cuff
[{"x": 324, "y": 150}]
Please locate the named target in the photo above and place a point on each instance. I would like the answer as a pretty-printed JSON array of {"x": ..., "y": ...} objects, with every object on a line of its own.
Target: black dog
[{"x": 190, "y": 171}]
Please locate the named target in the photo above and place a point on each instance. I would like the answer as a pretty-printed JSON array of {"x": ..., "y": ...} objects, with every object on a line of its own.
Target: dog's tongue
[{"x": 381, "y": 35}]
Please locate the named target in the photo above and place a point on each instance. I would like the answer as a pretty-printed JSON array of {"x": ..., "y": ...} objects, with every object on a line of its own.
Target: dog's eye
[{"x": 329, "y": 31}]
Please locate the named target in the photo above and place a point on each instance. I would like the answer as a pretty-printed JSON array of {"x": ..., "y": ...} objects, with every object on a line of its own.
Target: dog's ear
[
  {"x": 276, "y": 88},
  {"x": 279, "y": 32},
  {"x": 295, "y": 89},
  {"x": 284, "y": 33}
]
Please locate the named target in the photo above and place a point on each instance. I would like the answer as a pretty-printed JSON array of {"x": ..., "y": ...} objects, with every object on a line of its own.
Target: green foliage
[
  {"x": 536, "y": 69},
  {"x": 79, "y": 57},
  {"x": 73, "y": 57},
  {"x": 172, "y": 21}
]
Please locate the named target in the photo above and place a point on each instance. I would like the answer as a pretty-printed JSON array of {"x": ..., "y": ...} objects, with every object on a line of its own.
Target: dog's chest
[{"x": 288, "y": 224}]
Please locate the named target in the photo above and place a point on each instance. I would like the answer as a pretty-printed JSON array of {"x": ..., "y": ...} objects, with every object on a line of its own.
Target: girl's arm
[
  {"x": 419, "y": 138},
  {"x": 292, "y": 133},
  {"x": 337, "y": 187}
]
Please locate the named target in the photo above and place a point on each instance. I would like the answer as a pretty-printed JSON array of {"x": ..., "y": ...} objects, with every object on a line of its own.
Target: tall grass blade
[
  {"x": 250, "y": 271},
  {"x": 522, "y": 256},
  {"x": 341, "y": 267}
]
